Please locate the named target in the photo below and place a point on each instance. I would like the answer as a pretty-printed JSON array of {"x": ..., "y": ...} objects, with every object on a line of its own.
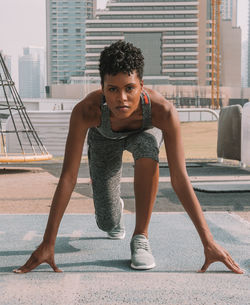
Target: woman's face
[{"x": 122, "y": 93}]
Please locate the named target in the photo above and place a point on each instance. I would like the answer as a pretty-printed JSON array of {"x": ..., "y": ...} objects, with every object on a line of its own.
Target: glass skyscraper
[
  {"x": 66, "y": 38},
  {"x": 31, "y": 69}
]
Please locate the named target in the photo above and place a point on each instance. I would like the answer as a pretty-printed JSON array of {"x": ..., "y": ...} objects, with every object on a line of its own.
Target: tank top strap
[
  {"x": 146, "y": 109},
  {"x": 105, "y": 120}
]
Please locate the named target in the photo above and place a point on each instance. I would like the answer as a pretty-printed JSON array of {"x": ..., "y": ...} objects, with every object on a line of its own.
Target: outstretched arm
[
  {"x": 168, "y": 122},
  {"x": 72, "y": 158}
]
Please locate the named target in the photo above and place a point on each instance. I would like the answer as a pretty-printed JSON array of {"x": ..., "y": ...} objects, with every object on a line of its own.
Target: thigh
[
  {"x": 105, "y": 165},
  {"x": 145, "y": 144}
]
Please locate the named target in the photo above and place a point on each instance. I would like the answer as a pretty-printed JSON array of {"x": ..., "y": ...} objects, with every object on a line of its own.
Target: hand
[
  {"x": 214, "y": 253},
  {"x": 43, "y": 254}
]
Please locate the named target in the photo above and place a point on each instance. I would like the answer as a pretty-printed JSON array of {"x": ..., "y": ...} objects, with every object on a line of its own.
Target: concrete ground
[{"x": 96, "y": 270}]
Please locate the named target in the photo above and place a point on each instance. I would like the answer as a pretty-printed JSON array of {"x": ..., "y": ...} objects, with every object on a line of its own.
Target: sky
[{"x": 23, "y": 23}]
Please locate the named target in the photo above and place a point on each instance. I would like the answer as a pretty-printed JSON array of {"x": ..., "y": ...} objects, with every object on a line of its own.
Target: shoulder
[
  {"x": 160, "y": 107},
  {"x": 88, "y": 110}
]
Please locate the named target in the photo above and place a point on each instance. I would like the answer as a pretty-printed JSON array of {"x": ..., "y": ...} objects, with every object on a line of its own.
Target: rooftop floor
[{"x": 96, "y": 269}]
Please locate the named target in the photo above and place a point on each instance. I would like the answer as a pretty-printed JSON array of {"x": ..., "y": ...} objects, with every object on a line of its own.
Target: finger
[
  {"x": 204, "y": 267},
  {"x": 233, "y": 262},
  {"x": 54, "y": 266},
  {"x": 25, "y": 268},
  {"x": 232, "y": 266},
  {"x": 31, "y": 264}
]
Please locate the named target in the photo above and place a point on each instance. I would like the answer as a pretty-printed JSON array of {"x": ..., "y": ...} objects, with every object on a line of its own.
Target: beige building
[
  {"x": 229, "y": 10},
  {"x": 230, "y": 55}
]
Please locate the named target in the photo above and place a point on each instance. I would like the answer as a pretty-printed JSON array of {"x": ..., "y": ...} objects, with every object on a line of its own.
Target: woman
[{"x": 124, "y": 115}]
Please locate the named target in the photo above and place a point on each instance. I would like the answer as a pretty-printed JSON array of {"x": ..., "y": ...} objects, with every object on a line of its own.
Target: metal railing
[{"x": 199, "y": 110}]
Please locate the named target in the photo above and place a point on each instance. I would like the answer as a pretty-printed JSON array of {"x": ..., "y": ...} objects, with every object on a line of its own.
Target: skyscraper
[
  {"x": 248, "y": 51},
  {"x": 229, "y": 10},
  {"x": 244, "y": 64},
  {"x": 66, "y": 38},
  {"x": 31, "y": 69}
]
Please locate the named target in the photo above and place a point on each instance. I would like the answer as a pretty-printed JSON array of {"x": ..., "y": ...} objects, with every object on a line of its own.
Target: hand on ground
[
  {"x": 215, "y": 253},
  {"x": 43, "y": 254}
]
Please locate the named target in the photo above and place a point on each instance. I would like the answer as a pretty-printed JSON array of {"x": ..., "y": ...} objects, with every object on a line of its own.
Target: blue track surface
[
  {"x": 81, "y": 246},
  {"x": 97, "y": 269}
]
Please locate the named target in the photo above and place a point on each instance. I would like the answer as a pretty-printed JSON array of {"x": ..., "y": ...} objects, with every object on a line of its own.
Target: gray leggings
[{"x": 105, "y": 166}]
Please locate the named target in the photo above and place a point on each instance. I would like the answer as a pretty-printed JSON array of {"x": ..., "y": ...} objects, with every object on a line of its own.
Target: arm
[
  {"x": 72, "y": 158},
  {"x": 79, "y": 124},
  {"x": 167, "y": 120}
]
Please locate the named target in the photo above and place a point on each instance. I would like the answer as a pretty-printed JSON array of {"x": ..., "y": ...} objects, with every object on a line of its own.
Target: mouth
[{"x": 122, "y": 108}]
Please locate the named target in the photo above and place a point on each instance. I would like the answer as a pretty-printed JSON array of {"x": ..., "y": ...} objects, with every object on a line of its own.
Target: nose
[{"x": 122, "y": 96}]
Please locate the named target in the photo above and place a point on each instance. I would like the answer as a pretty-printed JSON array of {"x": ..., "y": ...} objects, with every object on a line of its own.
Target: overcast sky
[{"x": 22, "y": 23}]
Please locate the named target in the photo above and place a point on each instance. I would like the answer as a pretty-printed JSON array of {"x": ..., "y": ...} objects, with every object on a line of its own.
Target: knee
[{"x": 146, "y": 148}]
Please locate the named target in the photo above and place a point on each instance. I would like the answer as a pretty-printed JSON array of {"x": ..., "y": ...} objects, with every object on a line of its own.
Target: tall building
[
  {"x": 66, "y": 38},
  {"x": 175, "y": 37},
  {"x": 167, "y": 32},
  {"x": 31, "y": 70},
  {"x": 229, "y": 10},
  {"x": 230, "y": 45},
  {"x": 244, "y": 64},
  {"x": 248, "y": 51}
]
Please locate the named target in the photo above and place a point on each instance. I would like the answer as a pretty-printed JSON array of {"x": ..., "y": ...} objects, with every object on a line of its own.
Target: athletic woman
[{"x": 123, "y": 115}]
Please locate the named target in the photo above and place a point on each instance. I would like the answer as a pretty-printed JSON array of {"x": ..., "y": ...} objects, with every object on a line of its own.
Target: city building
[
  {"x": 176, "y": 40},
  {"x": 175, "y": 37},
  {"x": 229, "y": 11},
  {"x": 65, "y": 22},
  {"x": 230, "y": 58},
  {"x": 248, "y": 51},
  {"x": 31, "y": 70},
  {"x": 244, "y": 64},
  {"x": 167, "y": 32}
]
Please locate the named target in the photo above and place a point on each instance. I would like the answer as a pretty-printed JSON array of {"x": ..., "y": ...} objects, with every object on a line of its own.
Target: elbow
[{"x": 68, "y": 180}]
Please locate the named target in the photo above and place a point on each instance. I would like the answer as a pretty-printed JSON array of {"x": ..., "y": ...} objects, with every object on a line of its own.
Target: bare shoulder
[
  {"x": 88, "y": 110},
  {"x": 160, "y": 107}
]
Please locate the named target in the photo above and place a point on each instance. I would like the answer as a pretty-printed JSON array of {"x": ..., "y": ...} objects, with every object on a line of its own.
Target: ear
[{"x": 141, "y": 83}]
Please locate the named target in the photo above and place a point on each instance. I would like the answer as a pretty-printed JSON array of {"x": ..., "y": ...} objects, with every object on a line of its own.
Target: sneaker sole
[
  {"x": 121, "y": 237},
  {"x": 143, "y": 267}
]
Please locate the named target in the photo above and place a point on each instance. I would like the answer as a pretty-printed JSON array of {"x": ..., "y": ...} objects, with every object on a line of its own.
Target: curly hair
[{"x": 121, "y": 56}]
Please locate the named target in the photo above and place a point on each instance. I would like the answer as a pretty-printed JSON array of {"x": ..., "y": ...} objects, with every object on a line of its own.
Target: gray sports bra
[{"x": 105, "y": 127}]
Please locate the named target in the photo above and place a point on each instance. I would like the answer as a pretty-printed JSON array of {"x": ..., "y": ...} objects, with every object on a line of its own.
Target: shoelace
[{"x": 139, "y": 244}]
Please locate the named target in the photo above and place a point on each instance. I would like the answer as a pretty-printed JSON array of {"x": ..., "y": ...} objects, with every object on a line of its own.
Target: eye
[
  {"x": 129, "y": 88},
  {"x": 112, "y": 89}
]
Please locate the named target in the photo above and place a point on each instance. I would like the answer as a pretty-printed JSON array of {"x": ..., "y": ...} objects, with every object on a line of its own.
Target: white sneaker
[{"x": 141, "y": 255}]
